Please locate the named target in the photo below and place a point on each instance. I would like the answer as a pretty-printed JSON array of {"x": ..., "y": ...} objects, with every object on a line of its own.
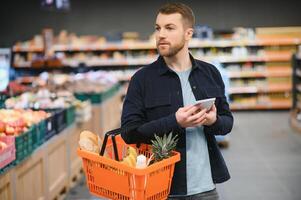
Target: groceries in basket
[
  {"x": 90, "y": 142},
  {"x": 131, "y": 158},
  {"x": 162, "y": 148},
  {"x": 136, "y": 172}
]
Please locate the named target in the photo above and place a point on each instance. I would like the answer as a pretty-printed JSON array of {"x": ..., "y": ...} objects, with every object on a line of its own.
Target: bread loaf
[{"x": 89, "y": 141}]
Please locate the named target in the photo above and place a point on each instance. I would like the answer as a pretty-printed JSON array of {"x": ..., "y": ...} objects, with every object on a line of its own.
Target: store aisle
[{"x": 264, "y": 159}]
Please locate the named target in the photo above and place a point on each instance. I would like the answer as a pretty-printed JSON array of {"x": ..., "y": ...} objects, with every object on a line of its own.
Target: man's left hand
[{"x": 210, "y": 116}]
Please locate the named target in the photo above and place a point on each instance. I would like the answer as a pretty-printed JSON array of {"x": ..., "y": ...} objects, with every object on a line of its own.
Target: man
[{"x": 161, "y": 98}]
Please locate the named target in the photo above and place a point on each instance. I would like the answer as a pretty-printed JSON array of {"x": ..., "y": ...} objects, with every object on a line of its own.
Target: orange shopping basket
[{"x": 109, "y": 178}]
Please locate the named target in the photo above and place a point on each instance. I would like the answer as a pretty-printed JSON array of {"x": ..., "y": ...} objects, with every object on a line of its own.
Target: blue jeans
[{"x": 210, "y": 195}]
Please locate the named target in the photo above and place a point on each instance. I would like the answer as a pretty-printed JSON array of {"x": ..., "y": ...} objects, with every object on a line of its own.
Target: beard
[{"x": 170, "y": 50}]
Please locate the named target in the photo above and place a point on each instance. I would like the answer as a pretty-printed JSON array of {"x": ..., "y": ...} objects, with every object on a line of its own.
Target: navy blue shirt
[{"x": 153, "y": 97}]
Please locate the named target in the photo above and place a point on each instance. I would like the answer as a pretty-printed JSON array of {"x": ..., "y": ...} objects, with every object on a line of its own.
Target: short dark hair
[{"x": 184, "y": 10}]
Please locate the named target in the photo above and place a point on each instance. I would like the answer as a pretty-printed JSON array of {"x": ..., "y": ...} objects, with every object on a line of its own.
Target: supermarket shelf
[
  {"x": 28, "y": 49},
  {"x": 246, "y": 89},
  {"x": 258, "y": 74},
  {"x": 256, "y": 58},
  {"x": 46, "y": 68},
  {"x": 267, "y": 106},
  {"x": 95, "y": 63},
  {"x": 23, "y": 65},
  {"x": 37, "y": 70},
  {"x": 260, "y": 89},
  {"x": 118, "y": 46},
  {"x": 278, "y": 41},
  {"x": 194, "y": 43},
  {"x": 124, "y": 79},
  {"x": 145, "y": 61},
  {"x": 110, "y": 62}
]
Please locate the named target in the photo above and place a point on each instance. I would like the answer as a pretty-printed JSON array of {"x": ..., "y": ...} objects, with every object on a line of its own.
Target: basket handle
[{"x": 113, "y": 134}]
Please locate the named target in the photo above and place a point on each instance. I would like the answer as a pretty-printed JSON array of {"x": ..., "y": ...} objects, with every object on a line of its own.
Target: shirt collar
[{"x": 163, "y": 68}]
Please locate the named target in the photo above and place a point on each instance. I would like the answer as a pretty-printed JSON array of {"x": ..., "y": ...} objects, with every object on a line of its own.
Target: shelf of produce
[
  {"x": 23, "y": 65},
  {"x": 284, "y": 104},
  {"x": 250, "y": 58},
  {"x": 94, "y": 63},
  {"x": 278, "y": 41},
  {"x": 145, "y": 61},
  {"x": 260, "y": 89},
  {"x": 244, "y": 42},
  {"x": 194, "y": 43},
  {"x": 110, "y": 62},
  {"x": 51, "y": 177},
  {"x": 28, "y": 49},
  {"x": 120, "y": 46},
  {"x": 284, "y": 72},
  {"x": 125, "y": 78}
]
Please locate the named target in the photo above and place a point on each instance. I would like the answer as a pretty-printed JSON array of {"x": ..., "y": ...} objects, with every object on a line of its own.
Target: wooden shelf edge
[
  {"x": 195, "y": 43},
  {"x": 277, "y": 106},
  {"x": 262, "y": 89},
  {"x": 259, "y": 74}
]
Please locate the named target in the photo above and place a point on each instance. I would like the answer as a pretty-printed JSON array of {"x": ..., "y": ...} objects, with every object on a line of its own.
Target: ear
[{"x": 189, "y": 33}]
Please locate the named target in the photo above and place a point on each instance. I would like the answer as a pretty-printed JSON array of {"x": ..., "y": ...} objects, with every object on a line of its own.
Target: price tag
[{"x": 5, "y": 56}]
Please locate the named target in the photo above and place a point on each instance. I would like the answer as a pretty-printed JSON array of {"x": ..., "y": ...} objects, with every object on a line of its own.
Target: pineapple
[{"x": 162, "y": 147}]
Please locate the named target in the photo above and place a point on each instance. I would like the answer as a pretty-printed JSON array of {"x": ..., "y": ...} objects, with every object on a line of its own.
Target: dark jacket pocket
[
  {"x": 157, "y": 107},
  {"x": 214, "y": 92},
  {"x": 157, "y": 102}
]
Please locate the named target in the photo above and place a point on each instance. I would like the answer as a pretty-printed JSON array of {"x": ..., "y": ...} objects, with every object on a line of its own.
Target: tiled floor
[{"x": 264, "y": 159}]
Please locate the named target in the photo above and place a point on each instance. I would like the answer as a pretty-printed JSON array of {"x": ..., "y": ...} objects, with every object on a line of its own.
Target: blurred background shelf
[{"x": 258, "y": 66}]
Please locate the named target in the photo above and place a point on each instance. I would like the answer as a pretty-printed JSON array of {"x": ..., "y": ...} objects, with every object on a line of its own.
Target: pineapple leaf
[
  {"x": 163, "y": 146},
  {"x": 164, "y": 139},
  {"x": 169, "y": 137}
]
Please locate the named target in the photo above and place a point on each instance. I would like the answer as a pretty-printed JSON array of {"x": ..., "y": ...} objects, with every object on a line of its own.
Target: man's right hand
[{"x": 191, "y": 116}]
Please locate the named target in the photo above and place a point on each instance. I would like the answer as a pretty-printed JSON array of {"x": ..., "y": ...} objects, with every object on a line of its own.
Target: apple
[
  {"x": 9, "y": 130},
  {"x": 17, "y": 123},
  {"x": 2, "y": 126}
]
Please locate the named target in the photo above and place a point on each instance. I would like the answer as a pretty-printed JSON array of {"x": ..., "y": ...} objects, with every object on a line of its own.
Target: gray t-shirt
[{"x": 199, "y": 177}]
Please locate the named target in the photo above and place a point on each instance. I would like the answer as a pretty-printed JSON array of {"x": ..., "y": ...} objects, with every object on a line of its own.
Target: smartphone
[{"x": 206, "y": 103}]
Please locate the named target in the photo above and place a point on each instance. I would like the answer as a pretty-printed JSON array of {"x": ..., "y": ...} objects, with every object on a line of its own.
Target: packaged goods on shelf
[
  {"x": 244, "y": 53},
  {"x": 43, "y": 99},
  {"x": 35, "y": 44}
]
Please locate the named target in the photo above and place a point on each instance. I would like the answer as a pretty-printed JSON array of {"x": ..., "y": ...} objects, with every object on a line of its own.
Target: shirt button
[
  {"x": 194, "y": 87},
  {"x": 178, "y": 92}
]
